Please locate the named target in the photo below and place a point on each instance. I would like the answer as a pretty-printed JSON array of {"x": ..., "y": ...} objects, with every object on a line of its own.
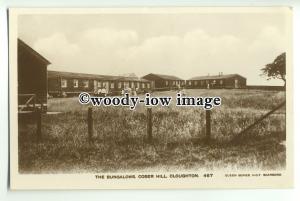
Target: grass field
[{"x": 120, "y": 136}]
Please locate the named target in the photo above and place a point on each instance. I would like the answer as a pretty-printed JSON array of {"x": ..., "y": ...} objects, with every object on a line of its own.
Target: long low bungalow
[
  {"x": 159, "y": 81},
  {"x": 68, "y": 83},
  {"x": 218, "y": 81}
]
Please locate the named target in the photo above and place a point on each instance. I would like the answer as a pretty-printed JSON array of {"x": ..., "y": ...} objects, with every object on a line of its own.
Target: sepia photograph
[{"x": 176, "y": 97}]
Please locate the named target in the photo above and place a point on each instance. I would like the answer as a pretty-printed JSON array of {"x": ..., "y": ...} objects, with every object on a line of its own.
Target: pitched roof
[
  {"x": 215, "y": 77},
  {"x": 123, "y": 78},
  {"x": 165, "y": 77},
  {"x": 76, "y": 75},
  {"x": 53, "y": 74},
  {"x": 32, "y": 51}
]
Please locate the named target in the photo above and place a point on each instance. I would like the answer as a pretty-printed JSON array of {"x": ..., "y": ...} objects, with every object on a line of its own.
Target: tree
[{"x": 276, "y": 69}]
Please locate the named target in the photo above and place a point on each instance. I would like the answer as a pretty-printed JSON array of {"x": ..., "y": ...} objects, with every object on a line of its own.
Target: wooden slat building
[
  {"x": 164, "y": 82},
  {"x": 32, "y": 76},
  {"x": 217, "y": 81}
]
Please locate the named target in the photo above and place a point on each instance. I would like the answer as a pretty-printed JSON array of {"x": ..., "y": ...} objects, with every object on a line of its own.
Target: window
[
  {"x": 196, "y": 82},
  {"x": 112, "y": 85},
  {"x": 138, "y": 85},
  {"x": 126, "y": 85},
  {"x": 99, "y": 84},
  {"x": 167, "y": 83},
  {"x": 174, "y": 83},
  {"x": 86, "y": 84},
  {"x": 132, "y": 85},
  {"x": 119, "y": 85},
  {"x": 63, "y": 83},
  {"x": 75, "y": 83},
  {"x": 148, "y": 85},
  {"x": 221, "y": 82},
  {"x": 143, "y": 85}
]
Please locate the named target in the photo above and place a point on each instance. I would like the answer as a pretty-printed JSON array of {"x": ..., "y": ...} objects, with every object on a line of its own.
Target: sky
[{"x": 180, "y": 44}]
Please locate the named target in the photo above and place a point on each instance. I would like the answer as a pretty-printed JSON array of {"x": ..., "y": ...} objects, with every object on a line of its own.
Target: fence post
[
  {"x": 38, "y": 116},
  {"x": 34, "y": 99},
  {"x": 149, "y": 124},
  {"x": 90, "y": 124},
  {"x": 42, "y": 107},
  {"x": 208, "y": 127}
]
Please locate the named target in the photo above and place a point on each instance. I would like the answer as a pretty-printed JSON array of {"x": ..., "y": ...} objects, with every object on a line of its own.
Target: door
[
  {"x": 126, "y": 85},
  {"x": 236, "y": 83},
  {"x": 95, "y": 86}
]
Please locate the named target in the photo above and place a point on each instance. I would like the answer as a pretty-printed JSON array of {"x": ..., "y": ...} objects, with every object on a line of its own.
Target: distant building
[
  {"x": 68, "y": 83},
  {"x": 32, "y": 76},
  {"x": 217, "y": 81},
  {"x": 159, "y": 81}
]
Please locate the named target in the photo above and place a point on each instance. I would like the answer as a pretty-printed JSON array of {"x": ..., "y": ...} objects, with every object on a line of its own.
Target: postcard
[{"x": 151, "y": 98}]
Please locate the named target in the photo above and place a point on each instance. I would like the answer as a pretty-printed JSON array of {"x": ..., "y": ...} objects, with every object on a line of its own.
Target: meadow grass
[{"x": 120, "y": 136}]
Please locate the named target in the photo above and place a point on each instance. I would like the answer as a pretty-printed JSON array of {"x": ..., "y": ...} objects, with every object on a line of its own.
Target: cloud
[
  {"x": 57, "y": 49},
  {"x": 269, "y": 40},
  {"x": 111, "y": 51},
  {"x": 94, "y": 50},
  {"x": 195, "y": 51},
  {"x": 266, "y": 46},
  {"x": 108, "y": 38}
]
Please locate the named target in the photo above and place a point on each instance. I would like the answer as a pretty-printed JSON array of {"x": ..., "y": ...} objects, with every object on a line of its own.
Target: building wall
[
  {"x": 32, "y": 75},
  {"x": 159, "y": 83},
  {"x": 55, "y": 86},
  {"x": 235, "y": 82},
  {"x": 218, "y": 83}
]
